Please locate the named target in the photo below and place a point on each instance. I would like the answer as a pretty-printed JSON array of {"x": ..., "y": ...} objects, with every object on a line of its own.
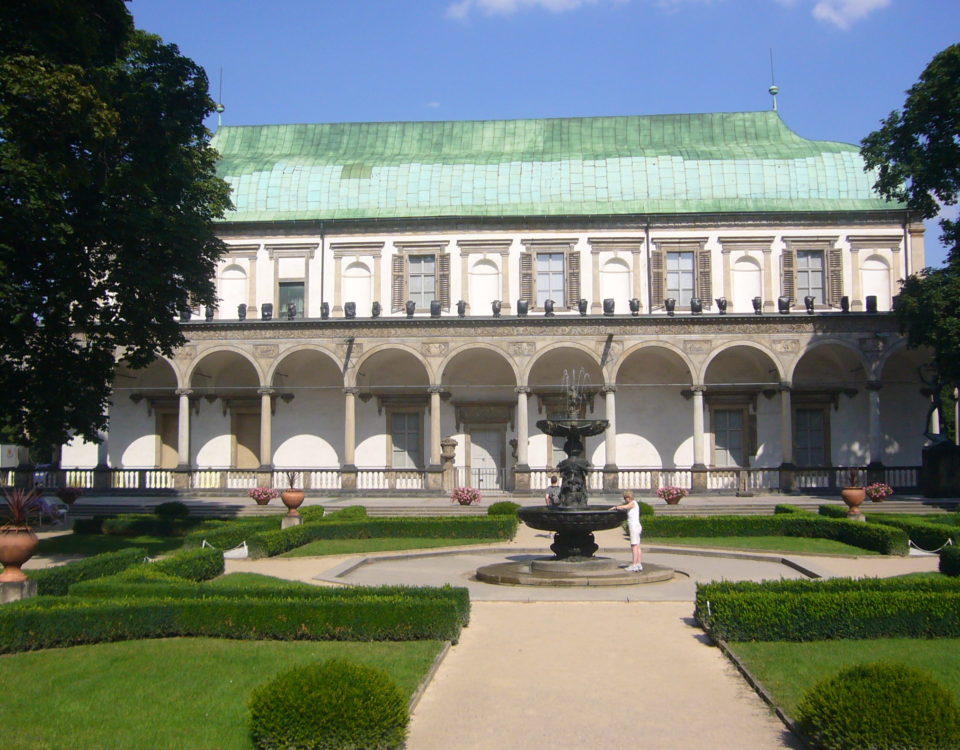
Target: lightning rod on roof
[
  {"x": 774, "y": 89},
  {"x": 219, "y": 106}
]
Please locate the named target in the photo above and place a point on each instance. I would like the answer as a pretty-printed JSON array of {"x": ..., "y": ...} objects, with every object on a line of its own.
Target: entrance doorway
[{"x": 486, "y": 459}]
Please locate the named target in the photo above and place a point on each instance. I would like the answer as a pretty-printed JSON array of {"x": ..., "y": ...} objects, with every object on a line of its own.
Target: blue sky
[{"x": 841, "y": 65}]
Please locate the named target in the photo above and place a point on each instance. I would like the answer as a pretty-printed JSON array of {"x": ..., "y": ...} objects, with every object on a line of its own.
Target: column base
[
  {"x": 348, "y": 477},
  {"x": 181, "y": 477},
  {"x": 611, "y": 477},
  {"x": 787, "y": 479},
  {"x": 521, "y": 477},
  {"x": 101, "y": 477},
  {"x": 433, "y": 477},
  {"x": 698, "y": 478},
  {"x": 875, "y": 472}
]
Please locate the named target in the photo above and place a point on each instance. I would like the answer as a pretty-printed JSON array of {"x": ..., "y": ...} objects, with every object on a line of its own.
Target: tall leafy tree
[
  {"x": 108, "y": 192},
  {"x": 916, "y": 153}
]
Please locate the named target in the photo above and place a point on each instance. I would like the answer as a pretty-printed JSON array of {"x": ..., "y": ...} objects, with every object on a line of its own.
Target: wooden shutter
[
  {"x": 704, "y": 279},
  {"x": 788, "y": 275},
  {"x": 572, "y": 285},
  {"x": 398, "y": 285},
  {"x": 443, "y": 280},
  {"x": 834, "y": 277},
  {"x": 526, "y": 277},
  {"x": 658, "y": 279}
]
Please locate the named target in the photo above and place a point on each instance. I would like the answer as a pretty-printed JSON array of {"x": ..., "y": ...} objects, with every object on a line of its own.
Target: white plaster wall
[
  {"x": 132, "y": 441},
  {"x": 371, "y": 446},
  {"x": 654, "y": 425},
  {"x": 903, "y": 411},
  {"x": 850, "y": 430},
  {"x": 210, "y": 439},
  {"x": 308, "y": 432},
  {"x": 769, "y": 449},
  {"x": 78, "y": 454}
]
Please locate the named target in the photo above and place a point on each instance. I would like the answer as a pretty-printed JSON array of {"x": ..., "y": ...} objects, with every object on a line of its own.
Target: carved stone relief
[{"x": 786, "y": 346}]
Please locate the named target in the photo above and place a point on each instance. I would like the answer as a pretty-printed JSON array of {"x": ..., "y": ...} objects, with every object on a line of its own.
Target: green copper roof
[{"x": 744, "y": 161}]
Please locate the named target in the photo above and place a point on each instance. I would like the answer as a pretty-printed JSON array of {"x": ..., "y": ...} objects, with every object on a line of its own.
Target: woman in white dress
[{"x": 633, "y": 526}]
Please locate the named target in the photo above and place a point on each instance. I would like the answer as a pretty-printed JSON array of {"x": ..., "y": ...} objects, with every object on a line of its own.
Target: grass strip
[
  {"x": 388, "y": 544},
  {"x": 188, "y": 693},
  {"x": 787, "y": 670},
  {"x": 786, "y": 544}
]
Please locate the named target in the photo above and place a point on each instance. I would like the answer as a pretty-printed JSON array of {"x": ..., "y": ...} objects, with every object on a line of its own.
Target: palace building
[{"x": 400, "y": 302}]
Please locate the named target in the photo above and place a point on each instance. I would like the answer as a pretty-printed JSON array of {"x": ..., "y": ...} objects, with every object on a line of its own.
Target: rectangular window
[
  {"x": 291, "y": 293},
  {"x": 422, "y": 280},
  {"x": 406, "y": 440},
  {"x": 809, "y": 437},
  {"x": 729, "y": 439},
  {"x": 550, "y": 278},
  {"x": 680, "y": 277},
  {"x": 810, "y": 276}
]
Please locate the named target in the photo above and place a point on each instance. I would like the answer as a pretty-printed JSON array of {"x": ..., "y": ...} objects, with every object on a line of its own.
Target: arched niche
[
  {"x": 615, "y": 282},
  {"x": 234, "y": 291},
  {"x": 484, "y": 284},
  {"x": 875, "y": 280},
  {"x": 747, "y": 283},
  {"x": 358, "y": 286}
]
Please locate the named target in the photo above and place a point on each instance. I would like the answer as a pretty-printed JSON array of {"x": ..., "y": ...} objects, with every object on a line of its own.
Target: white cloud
[
  {"x": 842, "y": 13},
  {"x": 462, "y": 8},
  {"x": 433, "y": 105}
]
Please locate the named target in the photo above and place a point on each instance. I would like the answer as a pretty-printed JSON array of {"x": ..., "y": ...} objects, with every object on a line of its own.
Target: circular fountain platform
[{"x": 549, "y": 571}]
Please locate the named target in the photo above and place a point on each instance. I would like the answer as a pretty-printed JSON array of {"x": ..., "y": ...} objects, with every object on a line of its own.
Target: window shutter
[
  {"x": 443, "y": 280},
  {"x": 658, "y": 280},
  {"x": 704, "y": 279},
  {"x": 788, "y": 277},
  {"x": 573, "y": 279},
  {"x": 834, "y": 277},
  {"x": 526, "y": 277},
  {"x": 397, "y": 287}
]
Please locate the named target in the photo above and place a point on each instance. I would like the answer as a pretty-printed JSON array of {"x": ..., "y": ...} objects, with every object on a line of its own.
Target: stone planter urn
[
  {"x": 293, "y": 499},
  {"x": 853, "y": 497},
  {"x": 17, "y": 545}
]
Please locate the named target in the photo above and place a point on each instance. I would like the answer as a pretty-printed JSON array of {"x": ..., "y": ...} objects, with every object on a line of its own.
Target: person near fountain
[
  {"x": 553, "y": 492},
  {"x": 633, "y": 526}
]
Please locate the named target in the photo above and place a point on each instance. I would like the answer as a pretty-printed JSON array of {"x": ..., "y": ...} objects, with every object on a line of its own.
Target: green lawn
[
  {"x": 171, "y": 693},
  {"x": 380, "y": 544},
  {"x": 94, "y": 544},
  {"x": 788, "y": 670},
  {"x": 794, "y": 544}
]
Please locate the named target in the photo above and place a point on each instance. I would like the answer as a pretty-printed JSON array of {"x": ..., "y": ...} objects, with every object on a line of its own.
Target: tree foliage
[
  {"x": 107, "y": 196},
  {"x": 917, "y": 156},
  {"x": 917, "y": 151}
]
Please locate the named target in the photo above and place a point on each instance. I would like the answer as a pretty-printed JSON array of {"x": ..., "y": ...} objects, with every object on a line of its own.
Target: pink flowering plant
[
  {"x": 878, "y": 491},
  {"x": 263, "y": 494},
  {"x": 671, "y": 492},
  {"x": 465, "y": 496}
]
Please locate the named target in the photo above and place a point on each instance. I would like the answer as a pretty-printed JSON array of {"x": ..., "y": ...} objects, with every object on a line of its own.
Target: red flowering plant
[
  {"x": 671, "y": 493},
  {"x": 465, "y": 496},
  {"x": 878, "y": 491}
]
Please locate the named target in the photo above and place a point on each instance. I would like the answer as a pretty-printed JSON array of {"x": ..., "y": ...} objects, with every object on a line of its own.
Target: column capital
[
  {"x": 438, "y": 389},
  {"x": 351, "y": 390},
  {"x": 184, "y": 391},
  {"x": 608, "y": 388},
  {"x": 525, "y": 389},
  {"x": 698, "y": 388},
  {"x": 874, "y": 385},
  {"x": 266, "y": 391},
  {"x": 786, "y": 386}
]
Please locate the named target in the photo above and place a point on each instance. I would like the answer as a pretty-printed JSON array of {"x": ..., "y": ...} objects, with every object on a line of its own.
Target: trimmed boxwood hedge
[
  {"x": 117, "y": 587},
  {"x": 56, "y": 581},
  {"x": 232, "y": 533},
  {"x": 883, "y": 539},
  {"x": 66, "y": 621},
  {"x": 833, "y": 511},
  {"x": 826, "y": 615},
  {"x": 950, "y": 561},
  {"x": 135, "y": 524},
  {"x": 503, "y": 508},
  {"x": 927, "y": 536},
  {"x": 270, "y": 543}
]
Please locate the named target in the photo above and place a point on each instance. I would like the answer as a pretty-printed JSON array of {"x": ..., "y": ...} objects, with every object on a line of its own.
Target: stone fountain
[{"x": 572, "y": 520}]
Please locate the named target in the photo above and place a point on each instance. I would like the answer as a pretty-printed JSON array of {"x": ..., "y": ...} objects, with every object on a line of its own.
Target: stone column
[
  {"x": 635, "y": 272},
  {"x": 266, "y": 429},
  {"x": 611, "y": 474},
  {"x": 181, "y": 475},
  {"x": 435, "y": 470},
  {"x": 768, "y": 294},
  {"x": 348, "y": 470},
  {"x": 522, "y": 470},
  {"x": 337, "y": 284},
  {"x": 917, "y": 253},
  {"x": 856, "y": 291},
  {"x": 101, "y": 472},
  {"x": 698, "y": 472},
  {"x": 595, "y": 304},
  {"x": 786, "y": 439},
  {"x": 875, "y": 465}
]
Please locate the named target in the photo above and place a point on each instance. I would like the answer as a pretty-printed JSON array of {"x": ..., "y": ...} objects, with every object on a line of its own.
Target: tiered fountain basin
[{"x": 574, "y": 563}]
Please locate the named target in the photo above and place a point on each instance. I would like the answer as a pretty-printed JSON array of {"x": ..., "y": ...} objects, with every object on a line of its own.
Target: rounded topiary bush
[
  {"x": 172, "y": 510},
  {"x": 503, "y": 508},
  {"x": 645, "y": 508},
  {"x": 950, "y": 561},
  {"x": 333, "y": 705},
  {"x": 880, "y": 706}
]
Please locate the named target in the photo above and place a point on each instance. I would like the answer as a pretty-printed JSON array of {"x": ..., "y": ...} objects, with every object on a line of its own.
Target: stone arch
[
  {"x": 654, "y": 415},
  {"x": 585, "y": 355},
  {"x": 904, "y": 404},
  {"x": 853, "y": 349},
  {"x": 722, "y": 350},
  {"x": 206, "y": 354},
  {"x": 378, "y": 351},
  {"x": 143, "y": 426},
  {"x": 308, "y": 409}
]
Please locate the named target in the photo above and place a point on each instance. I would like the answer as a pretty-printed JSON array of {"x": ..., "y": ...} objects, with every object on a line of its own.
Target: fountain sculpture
[{"x": 572, "y": 519}]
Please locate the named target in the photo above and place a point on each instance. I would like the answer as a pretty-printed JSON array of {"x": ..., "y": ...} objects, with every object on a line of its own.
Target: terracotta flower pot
[
  {"x": 672, "y": 500},
  {"x": 853, "y": 497},
  {"x": 17, "y": 545},
  {"x": 293, "y": 499}
]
